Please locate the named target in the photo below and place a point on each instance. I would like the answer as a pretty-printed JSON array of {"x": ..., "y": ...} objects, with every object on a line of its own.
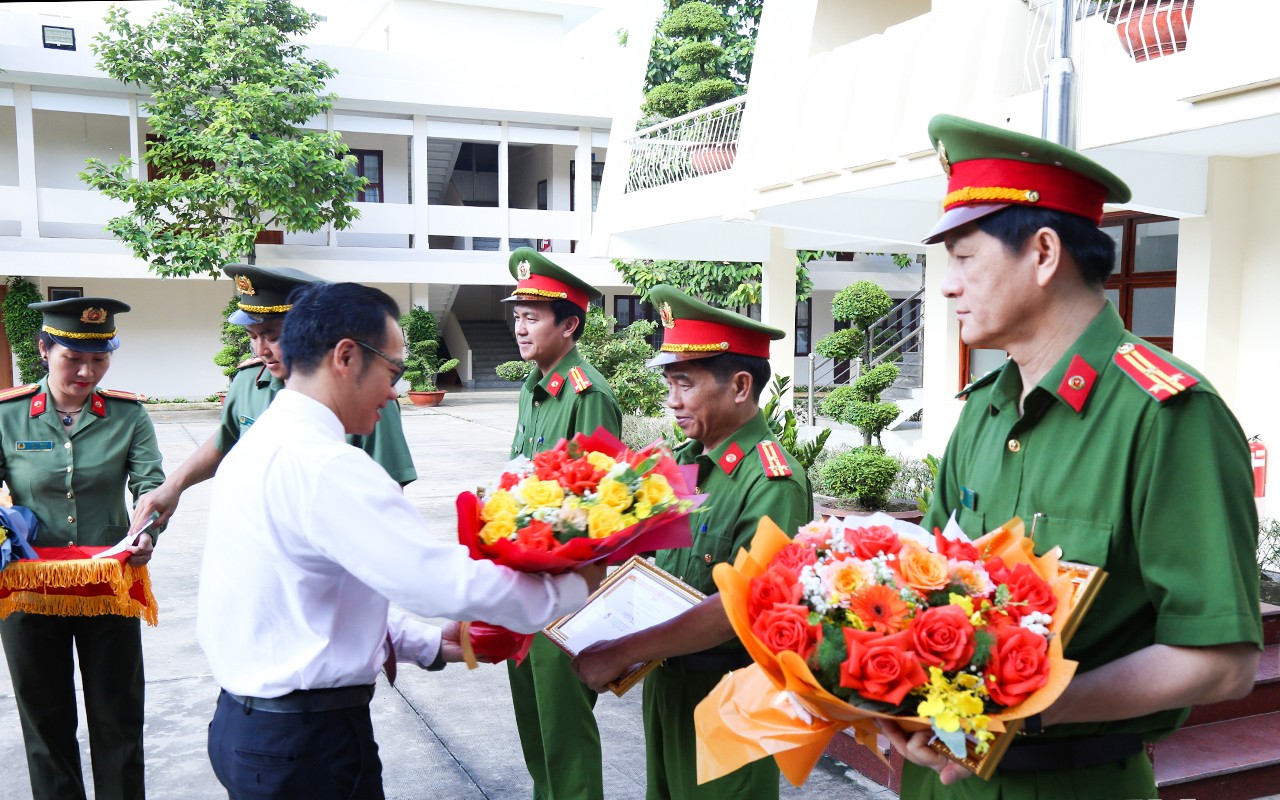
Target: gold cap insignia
[
  {"x": 523, "y": 270},
  {"x": 668, "y": 319},
  {"x": 94, "y": 316},
  {"x": 942, "y": 158},
  {"x": 244, "y": 285}
]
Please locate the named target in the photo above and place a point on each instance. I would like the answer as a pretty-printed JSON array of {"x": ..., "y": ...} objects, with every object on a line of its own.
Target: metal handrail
[{"x": 698, "y": 143}]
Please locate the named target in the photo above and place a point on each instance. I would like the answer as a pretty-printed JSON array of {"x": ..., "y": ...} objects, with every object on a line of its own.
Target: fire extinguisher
[{"x": 1258, "y": 452}]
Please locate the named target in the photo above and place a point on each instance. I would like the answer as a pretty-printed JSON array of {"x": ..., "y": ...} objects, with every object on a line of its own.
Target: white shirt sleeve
[{"x": 416, "y": 642}]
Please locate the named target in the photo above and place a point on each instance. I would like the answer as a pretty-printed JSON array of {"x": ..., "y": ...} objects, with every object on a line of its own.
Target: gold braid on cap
[
  {"x": 265, "y": 309},
  {"x": 695, "y": 348},
  {"x": 996, "y": 193},
  {"x": 543, "y": 293},
  {"x": 77, "y": 334}
]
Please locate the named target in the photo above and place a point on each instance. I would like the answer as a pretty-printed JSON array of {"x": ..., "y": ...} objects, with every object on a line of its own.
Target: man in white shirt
[{"x": 308, "y": 541}]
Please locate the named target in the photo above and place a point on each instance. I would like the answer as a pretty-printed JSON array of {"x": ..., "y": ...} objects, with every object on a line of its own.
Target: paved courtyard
[{"x": 442, "y": 735}]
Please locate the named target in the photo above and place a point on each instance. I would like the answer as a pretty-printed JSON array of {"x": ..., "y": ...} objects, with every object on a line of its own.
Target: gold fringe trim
[
  {"x": 694, "y": 348},
  {"x": 30, "y": 582},
  {"x": 265, "y": 309},
  {"x": 77, "y": 334},
  {"x": 991, "y": 193},
  {"x": 543, "y": 293}
]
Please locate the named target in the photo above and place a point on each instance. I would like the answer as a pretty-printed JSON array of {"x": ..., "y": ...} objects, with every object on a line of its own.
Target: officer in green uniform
[
  {"x": 67, "y": 450},
  {"x": 717, "y": 364},
  {"x": 263, "y": 303},
  {"x": 563, "y": 396},
  {"x": 1106, "y": 446}
]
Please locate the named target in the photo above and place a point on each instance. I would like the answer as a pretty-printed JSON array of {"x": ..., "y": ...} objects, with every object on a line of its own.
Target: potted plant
[
  {"x": 1150, "y": 28},
  {"x": 422, "y": 343}
]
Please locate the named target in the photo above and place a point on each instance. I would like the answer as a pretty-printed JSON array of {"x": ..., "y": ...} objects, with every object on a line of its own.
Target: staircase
[
  {"x": 491, "y": 344},
  {"x": 1224, "y": 751}
]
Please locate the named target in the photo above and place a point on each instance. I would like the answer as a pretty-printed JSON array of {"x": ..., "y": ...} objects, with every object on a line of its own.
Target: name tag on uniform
[
  {"x": 245, "y": 421},
  {"x": 968, "y": 498},
  {"x": 28, "y": 446}
]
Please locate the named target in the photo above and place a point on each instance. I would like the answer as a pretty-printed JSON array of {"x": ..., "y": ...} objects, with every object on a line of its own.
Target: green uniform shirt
[
  {"x": 252, "y": 390},
  {"x": 557, "y": 405},
  {"x": 72, "y": 479},
  {"x": 1157, "y": 493}
]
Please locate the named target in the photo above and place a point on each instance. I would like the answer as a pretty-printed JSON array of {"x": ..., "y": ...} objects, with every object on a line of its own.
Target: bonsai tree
[
  {"x": 235, "y": 341},
  {"x": 700, "y": 78},
  {"x": 861, "y": 304},
  {"x": 21, "y": 324},
  {"x": 422, "y": 343}
]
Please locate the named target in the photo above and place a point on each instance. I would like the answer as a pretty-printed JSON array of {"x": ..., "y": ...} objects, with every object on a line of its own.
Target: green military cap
[
  {"x": 87, "y": 324},
  {"x": 264, "y": 291},
  {"x": 692, "y": 329},
  {"x": 990, "y": 168},
  {"x": 541, "y": 280}
]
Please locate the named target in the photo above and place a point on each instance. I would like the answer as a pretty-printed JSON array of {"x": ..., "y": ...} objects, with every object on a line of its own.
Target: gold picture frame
[{"x": 633, "y": 597}]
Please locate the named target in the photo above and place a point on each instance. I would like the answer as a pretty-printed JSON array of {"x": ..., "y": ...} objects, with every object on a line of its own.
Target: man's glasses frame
[{"x": 395, "y": 362}]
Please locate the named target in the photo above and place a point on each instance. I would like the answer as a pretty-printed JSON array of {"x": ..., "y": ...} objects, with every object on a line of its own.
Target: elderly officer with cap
[
  {"x": 562, "y": 397},
  {"x": 67, "y": 450},
  {"x": 1111, "y": 448},
  {"x": 716, "y": 363},
  {"x": 261, "y": 308}
]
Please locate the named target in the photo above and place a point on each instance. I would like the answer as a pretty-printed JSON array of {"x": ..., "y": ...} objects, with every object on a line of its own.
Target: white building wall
[
  {"x": 65, "y": 139},
  {"x": 8, "y": 147}
]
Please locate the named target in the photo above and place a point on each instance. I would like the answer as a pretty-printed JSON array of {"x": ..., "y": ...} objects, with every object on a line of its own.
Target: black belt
[
  {"x": 1093, "y": 751},
  {"x": 709, "y": 662},
  {"x": 304, "y": 700}
]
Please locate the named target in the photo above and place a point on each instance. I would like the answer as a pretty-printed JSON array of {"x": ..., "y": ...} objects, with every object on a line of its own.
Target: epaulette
[
  {"x": 18, "y": 391},
  {"x": 980, "y": 382},
  {"x": 116, "y": 394},
  {"x": 1155, "y": 376},
  {"x": 578, "y": 377},
  {"x": 773, "y": 459},
  {"x": 249, "y": 362}
]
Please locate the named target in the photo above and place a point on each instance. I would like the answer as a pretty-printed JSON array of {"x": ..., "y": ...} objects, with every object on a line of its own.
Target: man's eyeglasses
[{"x": 395, "y": 362}]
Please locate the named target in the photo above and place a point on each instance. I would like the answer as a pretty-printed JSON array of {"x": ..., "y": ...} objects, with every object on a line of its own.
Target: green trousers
[
  {"x": 670, "y": 695},
  {"x": 1123, "y": 780},
  {"x": 557, "y": 723},
  {"x": 109, "y": 648}
]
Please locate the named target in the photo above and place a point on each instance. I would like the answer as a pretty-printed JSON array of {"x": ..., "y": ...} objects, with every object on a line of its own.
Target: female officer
[{"x": 67, "y": 449}]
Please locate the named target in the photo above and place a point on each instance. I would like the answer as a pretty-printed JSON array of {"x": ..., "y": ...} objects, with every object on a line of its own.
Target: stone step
[
  {"x": 1264, "y": 699},
  {"x": 845, "y": 749},
  {"x": 1235, "y": 759}
]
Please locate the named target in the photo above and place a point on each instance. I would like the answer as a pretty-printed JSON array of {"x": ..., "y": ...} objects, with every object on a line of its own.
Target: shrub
[
  {"x": 21, "y": 324},
  {"x": 1269, "y": 544},
  {"x": 861, "y": 304},
  {"x": 514, "y": 371},
  {"x": 785, "y": 426},
  {"x": 638, "y": 431},
  {"x": 621, "y": 358},
  {"x": 864, "y": 473},
  {"x": 422, "y": 345},
  {"x": 235, "y": 341},
  {"x": 843, "y": 345}
]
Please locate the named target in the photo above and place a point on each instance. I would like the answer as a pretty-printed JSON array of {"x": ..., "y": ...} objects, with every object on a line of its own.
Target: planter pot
[
  {"x": 709, "y": 158},
  {"x": 433, "y": 398},
  {"x": 222, "y": 397},
  {"x": 1152, "y": 28},
  {"x": 825, "y": 507}
]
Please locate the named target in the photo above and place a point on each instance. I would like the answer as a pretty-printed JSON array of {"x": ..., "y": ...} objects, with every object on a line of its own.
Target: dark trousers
[
  {"x": 109, "y": 648},
  {"x": 318, "y": 755}
]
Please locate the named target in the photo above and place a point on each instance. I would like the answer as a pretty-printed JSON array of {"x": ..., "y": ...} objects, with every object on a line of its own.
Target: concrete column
[
  {"x": 330, "y": 233},
  {"x": 582, "y": 186},
  {"x": 941, "y": 357},
  {"x": 778, "y": 306},
  {"x": 421, "y": 184},
  {"x": 135, "y": 154},
  {"x": 29, "y": 220},
  {"x": 504, "y": 187}
]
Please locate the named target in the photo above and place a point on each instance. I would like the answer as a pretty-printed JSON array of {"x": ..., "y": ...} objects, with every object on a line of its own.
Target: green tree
[
  {"x": 21, "y": 324},
  {"x": 738, "y": 43},
  {"x": 620, "y": 356},
  {"x": 229, "y": 88},
  {"x": 729, "y": 284},
  {"x": 701, "y": 77},
  {"x": 235, "y": 341},
  {"x": 422, "y": 346}
]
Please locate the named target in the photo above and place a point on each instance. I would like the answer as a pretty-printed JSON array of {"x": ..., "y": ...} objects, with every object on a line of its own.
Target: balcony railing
[{"x": 699, "y": 143}]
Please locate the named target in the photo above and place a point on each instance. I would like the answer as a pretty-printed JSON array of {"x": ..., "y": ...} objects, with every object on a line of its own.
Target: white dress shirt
[{"x": 309, "y": 539}]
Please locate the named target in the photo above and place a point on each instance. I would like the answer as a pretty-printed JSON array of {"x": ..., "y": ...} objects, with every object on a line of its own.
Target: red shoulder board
[
  {"x": 118, "y": 395},
  {"x": 731, "y": 458},
  {"x": 249, "y": 362},
  {"x": 18, "y": 391},
  {"x": 1157, "y": 377},
  {"x": 1077, "y": 383},
  {"x": 775, "y": 463},
  {"x": 578, "y": 377},
  {"x": 555, "y": 385}
]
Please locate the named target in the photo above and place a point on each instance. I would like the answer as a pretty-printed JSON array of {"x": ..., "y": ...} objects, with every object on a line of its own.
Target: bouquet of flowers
[
  {"x": 586, "y": 500},
  {"x": 870, "y": 617}
]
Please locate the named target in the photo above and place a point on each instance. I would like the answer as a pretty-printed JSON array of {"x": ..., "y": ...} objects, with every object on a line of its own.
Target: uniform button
[
  {"x": 67, "y": 445},
  {"x": 71, "y": 519},
  {"x": 68, "y": 470},
  {"x": 537, "y": 403},
  {"x": 1014, "y": 445},
  {"x": 68, "y": 495},
  {"x": 707, "y": 558}
]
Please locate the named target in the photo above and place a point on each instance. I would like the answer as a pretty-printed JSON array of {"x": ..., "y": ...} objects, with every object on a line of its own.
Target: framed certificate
[{"x": 634, "y": 597}]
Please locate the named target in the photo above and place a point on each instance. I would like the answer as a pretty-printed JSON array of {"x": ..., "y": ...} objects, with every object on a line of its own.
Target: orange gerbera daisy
[{"x": 880, "y": 608}]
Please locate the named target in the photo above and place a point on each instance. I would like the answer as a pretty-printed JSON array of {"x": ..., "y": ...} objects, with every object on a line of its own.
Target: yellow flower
[
  {"x": 542, "y": 494},
  {"x": 656, "y": 490},
  {"x": 614, "y": 494},
  {"x": 643, "y": 509},
  {"x": 603, "y": 520},
  {"x": 965, "y": 603},
  {"x": 499, "y": 504},
  {"x": 600, "y": 461},
  {"x": 501, "y": 528}
]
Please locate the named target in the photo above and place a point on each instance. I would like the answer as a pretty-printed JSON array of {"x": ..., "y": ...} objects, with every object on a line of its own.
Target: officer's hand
[
  {"x": 602, "y": 663},
  {"x": 142, "y": 550},
  {"x": 916, "y": 749},
  {"x": 451, "y": 642},
  {"x": 162, "y": 500},
  {"x": 592, "y": 574}
]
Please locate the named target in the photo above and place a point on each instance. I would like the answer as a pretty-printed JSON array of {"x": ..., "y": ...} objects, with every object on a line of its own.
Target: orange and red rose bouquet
[
  {"x": 871, "y": 617},
  {"x": 588, "y": 499}
]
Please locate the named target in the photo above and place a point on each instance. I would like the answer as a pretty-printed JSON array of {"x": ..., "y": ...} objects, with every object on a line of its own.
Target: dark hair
[
  {"x": 1093, "y": 251},
  {"x": 563, "y": 309},
  {"x": 723, "y": 367},
  {"x": 44, "y": 337},
  {"x": 324, "y": 314}
]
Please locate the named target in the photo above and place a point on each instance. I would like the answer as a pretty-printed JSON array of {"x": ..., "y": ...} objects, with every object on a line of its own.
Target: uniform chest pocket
[{"x": 1082, "y": 541}]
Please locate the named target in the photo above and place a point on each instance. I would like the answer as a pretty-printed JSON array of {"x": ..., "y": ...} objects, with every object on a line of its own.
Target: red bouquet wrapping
[{"x": 68, "y": 581}]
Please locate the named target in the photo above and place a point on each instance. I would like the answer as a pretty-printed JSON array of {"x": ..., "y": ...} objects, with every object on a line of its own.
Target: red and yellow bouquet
[
  {"x": 854, "y": 620},
  {"x": 586, "y": 500}
]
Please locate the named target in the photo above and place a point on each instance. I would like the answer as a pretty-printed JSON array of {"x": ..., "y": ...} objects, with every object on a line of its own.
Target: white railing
[{"x": 699, "y": 143}]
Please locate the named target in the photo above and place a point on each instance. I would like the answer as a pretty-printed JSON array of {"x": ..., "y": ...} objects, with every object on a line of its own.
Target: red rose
[
  {"x": 871, "y": 541},
  {"x": 794, "y": 557},
  {"x": 786, "y": 627},
  {"x": 508, "y": 480},
  {"x": 578, "y": 477},
  {"x": 959, "y": 549},
  {"x": 1018, "y": 666},
  {"x": 881, "y": 667},
  {"x": 943, "y": 637},
  {"x": 537, "y": 535},
  {"x": 778, "y": 585},
  {"x": 548, "y": 463},
  {"x": 1028, "y": 592}
]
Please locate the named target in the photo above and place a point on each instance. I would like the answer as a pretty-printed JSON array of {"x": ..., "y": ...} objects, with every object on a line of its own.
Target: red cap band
[
  {"x": 700, "y": 336},
  {"x": 540, "y": 287},
  {"x": 984, "y": 181}
]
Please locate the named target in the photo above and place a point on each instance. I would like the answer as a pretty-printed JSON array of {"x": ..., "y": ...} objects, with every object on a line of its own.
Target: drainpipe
[{"x": 1058, "y": 120}]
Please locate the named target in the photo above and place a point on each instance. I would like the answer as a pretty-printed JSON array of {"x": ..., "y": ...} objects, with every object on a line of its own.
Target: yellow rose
[
  {"x": 656, "y": 490},
  {"x": 498, "y": 504},
  {"x": 542, "y": 494},
  {"x": 500, "y": 528},
  {"x": 600, "y": 461},
  {"x": 614, "y": 494},
  {"x": 643, "y": 509},
  {"x": 603, "y": 520}
]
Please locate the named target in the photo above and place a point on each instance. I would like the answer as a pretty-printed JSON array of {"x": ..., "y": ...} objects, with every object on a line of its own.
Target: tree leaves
[{"x": 728, "y": 284}]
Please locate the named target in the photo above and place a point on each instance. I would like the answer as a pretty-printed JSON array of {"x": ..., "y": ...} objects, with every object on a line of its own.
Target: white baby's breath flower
[{"x": 1037, "y": 622}]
